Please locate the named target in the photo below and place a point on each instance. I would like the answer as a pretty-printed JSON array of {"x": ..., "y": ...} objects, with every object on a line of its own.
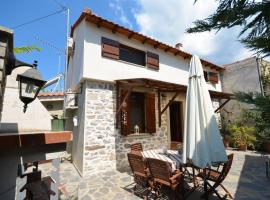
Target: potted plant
[
  {"x": 243, "y": 136},
  {"x": 225, "y": 132}
]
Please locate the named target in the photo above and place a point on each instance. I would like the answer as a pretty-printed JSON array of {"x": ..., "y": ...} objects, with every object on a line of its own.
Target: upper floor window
[
  {"x": 114, "y": 50},
  {"x": 210, "y": 77},
  {"x": 131, "y": 55}
]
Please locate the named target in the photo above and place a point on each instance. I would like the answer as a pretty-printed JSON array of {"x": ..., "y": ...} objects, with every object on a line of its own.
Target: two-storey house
[{"x": 129, "y": 88}]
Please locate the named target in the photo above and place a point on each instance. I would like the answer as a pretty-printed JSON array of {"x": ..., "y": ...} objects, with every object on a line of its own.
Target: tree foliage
[
  {"x": 259, "y": 114},
  {"x": 253, "y": 16},
  {"x": 26, "y": 49}
]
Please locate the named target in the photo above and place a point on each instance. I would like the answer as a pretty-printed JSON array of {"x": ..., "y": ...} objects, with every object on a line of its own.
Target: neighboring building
[
  {"x": 129, "y": 88},
  {"x": 248, "y": 75},
  {"x": 6, "y": 45},
  {"x": 25, "y": 137},
  {"x": 53, "y": 102}
]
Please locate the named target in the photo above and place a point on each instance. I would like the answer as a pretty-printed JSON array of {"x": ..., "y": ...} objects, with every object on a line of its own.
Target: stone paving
[{"x": 246, "y": 181}]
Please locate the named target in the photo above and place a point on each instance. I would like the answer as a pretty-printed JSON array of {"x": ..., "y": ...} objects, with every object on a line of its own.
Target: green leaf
[
  {"x": 252, "y": 16},
  {"x": 26, "y": 49}
]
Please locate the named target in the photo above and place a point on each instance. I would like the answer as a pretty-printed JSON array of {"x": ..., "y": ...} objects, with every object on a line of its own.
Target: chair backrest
[
  {"x": 136, "y": 147},
  {"x": 136, "y": 163},
  {"x": 160, "y": 170},
  {"x": 174, "y": 145},
  {"x": 227, "y": 166}
]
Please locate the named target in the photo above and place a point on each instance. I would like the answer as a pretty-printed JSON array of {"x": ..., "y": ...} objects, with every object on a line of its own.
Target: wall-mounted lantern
[{"x": 30, "y": 83}]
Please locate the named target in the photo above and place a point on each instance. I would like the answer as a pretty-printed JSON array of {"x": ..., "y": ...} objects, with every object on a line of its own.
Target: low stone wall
[{"x": 104, "y": 147}]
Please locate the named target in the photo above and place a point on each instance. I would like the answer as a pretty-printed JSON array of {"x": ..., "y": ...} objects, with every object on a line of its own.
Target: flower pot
[
  {"x": 267, "y": 147},
  {"x": 226, "y": 143},
  {"x": 242, "y": 147}
]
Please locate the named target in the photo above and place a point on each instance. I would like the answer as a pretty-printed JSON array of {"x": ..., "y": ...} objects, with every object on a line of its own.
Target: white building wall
[
  {"x": 97, "y": 144},
  {"x": 36, "y": 118},
  {"x": 172, "y": 69},
  {"x": 76, "y": 61}
]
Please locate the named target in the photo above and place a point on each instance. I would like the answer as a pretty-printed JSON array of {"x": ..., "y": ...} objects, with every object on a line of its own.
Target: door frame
[{"x": 169, "y": 120}]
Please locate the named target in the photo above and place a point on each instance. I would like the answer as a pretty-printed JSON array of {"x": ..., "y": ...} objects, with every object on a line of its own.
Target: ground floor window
[{"x": 138, "y": 113}]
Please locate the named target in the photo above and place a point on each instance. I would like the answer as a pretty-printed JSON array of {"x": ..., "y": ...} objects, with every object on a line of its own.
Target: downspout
[{"x": 260, "y": 76}]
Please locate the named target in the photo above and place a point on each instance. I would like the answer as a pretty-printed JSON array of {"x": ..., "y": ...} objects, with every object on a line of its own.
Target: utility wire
[
  {"x": 38, "y": 19},
  {"x": 59, "y": 4}
]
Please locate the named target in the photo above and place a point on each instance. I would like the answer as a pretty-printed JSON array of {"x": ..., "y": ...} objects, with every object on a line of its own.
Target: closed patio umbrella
[{"x": 202, "y": 139}]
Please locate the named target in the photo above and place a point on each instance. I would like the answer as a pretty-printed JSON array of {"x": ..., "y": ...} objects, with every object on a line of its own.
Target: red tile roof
[
  {"x": 101, "y": 22},
  {"x": 51, "y": 94}
]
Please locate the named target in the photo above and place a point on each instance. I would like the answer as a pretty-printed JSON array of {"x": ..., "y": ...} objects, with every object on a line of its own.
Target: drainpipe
[{"x": 260, "y": 76}]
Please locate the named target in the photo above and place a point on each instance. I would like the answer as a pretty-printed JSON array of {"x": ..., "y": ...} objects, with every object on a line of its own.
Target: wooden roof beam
[
  {"x": 130, "y": 35},
  {"x": 167, "y": 49},
  {"x": 114, "y": 29},
  {"x": 170, "y": 102},
  {"x": 144, "y": 41},
  {"x": 156, "y": 45},
  {"x": 99, "y": 23},
  {"x": 222, "y": 105}
]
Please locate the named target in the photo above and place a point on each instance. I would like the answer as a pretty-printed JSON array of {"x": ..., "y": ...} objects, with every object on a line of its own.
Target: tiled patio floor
[{"x": 246, "y": 181}]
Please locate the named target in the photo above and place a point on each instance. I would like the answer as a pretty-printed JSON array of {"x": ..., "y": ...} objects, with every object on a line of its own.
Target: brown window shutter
[
  {"x": 152, "y": 60},
  {"x": 125, "y": 122},
  {"x": 205, "y": 74},
  {"x": 213, "y": 77},
  {"x": 150, "y": 113},
  {"x": 110, "y": 48}
]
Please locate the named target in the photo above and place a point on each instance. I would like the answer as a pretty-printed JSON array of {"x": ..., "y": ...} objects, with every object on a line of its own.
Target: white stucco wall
[
  {"x": 241, "y": 76},
  {"x": 76, "y": 61},
  {"x": 87, "y": 39},
  {"x": 36, "y": 118}
]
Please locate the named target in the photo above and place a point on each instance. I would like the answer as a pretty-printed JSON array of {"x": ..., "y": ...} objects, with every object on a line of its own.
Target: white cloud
[
  {"x": 118, "y": 9},
  {"x": 168, "y": 20}
]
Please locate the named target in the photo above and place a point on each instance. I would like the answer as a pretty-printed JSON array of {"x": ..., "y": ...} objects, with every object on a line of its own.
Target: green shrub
[{"x": 243, "y": 135}]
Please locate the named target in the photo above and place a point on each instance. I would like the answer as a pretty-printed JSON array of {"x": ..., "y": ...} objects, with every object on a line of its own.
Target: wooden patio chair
[
  {"x": 136, "y": 147},
  {"x": 139, "y": 170},
  {"x": 163, "y": 176},
  {"x": 174, "y": 145},
  {"x": 216, "y": 177}
]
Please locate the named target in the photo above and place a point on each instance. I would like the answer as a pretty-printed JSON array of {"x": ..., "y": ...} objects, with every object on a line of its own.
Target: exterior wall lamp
[{"x": 30, "y": 83}]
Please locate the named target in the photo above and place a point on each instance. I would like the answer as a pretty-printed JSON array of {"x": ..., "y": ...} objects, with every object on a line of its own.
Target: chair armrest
[
  {"x": 147, "y": 171},
  {"x": 176, "y": 176}
]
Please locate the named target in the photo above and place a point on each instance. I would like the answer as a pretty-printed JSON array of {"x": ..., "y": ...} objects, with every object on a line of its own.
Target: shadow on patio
[{"x": 253, "y": 183}]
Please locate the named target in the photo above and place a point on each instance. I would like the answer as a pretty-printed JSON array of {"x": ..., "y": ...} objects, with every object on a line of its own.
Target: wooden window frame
[
  {"x": 213, "y": 77},
  {"x": 149, "y": 113},
  {"x": 112, "y": 49}
]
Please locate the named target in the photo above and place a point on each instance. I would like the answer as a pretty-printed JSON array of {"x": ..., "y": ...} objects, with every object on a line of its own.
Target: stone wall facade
[{"x": 104, "y": 146}]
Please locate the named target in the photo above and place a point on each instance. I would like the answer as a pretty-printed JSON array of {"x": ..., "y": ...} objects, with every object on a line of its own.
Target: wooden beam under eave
[
  {"x": 122, "y": 103},
  {"x": 222, "y": 105},
  {"x": 99, "y": 23},
  {"x": 130, "y": 35},
  {"x": 159, "y": 110},
  {"x": 170, "y": 102},
  {"x": 144, "y": 41},
  {"x": 114, "y": 29},
  {"x": 156, "y": 45},
  {"x": 167, "y": 49}
]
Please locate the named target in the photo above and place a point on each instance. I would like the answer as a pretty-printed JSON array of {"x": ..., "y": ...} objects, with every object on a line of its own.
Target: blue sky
[{"x": 160, "y": 19}]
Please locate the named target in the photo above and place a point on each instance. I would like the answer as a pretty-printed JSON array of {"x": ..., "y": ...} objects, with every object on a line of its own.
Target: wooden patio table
[{"x": 171, "y": 156}]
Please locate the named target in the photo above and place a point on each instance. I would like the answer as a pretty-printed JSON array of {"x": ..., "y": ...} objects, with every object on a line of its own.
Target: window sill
[{"x": 141, "y": 135}]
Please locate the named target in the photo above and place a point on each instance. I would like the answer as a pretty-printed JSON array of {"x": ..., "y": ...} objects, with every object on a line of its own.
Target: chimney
[{"x": 179, "y": 46}]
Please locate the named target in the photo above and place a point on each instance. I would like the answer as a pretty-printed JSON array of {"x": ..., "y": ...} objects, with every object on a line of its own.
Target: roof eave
[{"x": 101, "y": 22}]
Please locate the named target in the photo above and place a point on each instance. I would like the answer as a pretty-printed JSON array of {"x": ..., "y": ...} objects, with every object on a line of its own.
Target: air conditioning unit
[{"x": 71, "y": 101}]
